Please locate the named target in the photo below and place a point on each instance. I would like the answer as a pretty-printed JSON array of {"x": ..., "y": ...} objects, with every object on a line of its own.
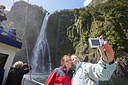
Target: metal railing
[
  {"x": 31, "y": 80},
  {"x": 11, "y": 34}
]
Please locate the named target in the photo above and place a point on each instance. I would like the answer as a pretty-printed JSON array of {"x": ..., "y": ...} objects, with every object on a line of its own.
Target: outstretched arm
[
  {"x": 102, "y": 70},
  {"x": 106, "y": 51}
]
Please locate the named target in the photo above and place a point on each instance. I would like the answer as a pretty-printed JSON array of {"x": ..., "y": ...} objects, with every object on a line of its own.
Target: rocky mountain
[
  {"x": 57, "y": 34},
  {"x": 27, "y": 19}
]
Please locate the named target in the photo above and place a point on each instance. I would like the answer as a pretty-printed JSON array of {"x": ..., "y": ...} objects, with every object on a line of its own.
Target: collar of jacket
[
  {"x": 78, "y": 65},
  {"x": 63, "y": 68}
]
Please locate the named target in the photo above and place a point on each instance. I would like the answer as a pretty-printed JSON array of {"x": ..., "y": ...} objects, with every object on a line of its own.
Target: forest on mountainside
[{"x": 109, "y": 20}]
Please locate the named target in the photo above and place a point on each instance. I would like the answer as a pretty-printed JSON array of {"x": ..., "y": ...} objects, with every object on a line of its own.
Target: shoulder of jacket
[{"x": 58, "y": 69}]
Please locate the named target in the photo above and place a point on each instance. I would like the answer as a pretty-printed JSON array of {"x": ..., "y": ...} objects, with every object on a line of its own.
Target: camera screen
[{"x": 95, "y": 42}]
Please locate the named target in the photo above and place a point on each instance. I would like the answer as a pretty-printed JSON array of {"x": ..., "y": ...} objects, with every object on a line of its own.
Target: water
[
  {"x": 116, "y": 81},
  {"x": 41, "y": 51},
  {"x": 42, "y": 79},
  {"x": 37, "y": 77}
]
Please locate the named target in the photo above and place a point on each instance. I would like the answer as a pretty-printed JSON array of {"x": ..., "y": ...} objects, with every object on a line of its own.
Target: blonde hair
[
  {"x": 75, "y": 55},
  {"x": 18, "y": 64}
]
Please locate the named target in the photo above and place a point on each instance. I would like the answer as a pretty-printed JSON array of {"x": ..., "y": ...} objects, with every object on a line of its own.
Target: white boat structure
[{"x": 8, "y": 48}]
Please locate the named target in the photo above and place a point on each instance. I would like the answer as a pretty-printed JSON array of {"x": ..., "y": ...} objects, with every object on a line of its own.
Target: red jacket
[{"x": 59, "y": 76}]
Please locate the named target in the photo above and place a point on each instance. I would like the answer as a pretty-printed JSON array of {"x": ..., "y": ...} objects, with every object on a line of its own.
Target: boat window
[{"x": 3, "y": 59}]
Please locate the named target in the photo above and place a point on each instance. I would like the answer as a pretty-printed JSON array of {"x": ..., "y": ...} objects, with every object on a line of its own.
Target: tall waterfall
[{"x": 41, "y": 51}]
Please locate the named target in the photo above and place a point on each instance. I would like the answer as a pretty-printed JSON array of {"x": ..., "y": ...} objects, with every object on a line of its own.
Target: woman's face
[
  {"x": 67, "y": 62},
  {"x": 74, "y": 59}
]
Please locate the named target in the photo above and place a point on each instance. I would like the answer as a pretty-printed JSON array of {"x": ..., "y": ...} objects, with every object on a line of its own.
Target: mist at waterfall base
[{"x": 41, "y": 58}]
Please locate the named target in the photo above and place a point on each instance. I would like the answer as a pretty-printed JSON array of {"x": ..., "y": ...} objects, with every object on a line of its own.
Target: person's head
[
  {"x": 74, "y": 59},
  {"x": 2, "y": 7},
  {"x": 66, "y": 62},
  {"x": 18, "y": 64},
  {"x": 14, "y": 29}
]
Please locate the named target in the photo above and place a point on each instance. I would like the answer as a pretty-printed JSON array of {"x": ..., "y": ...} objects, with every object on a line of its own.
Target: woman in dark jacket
[
  {"x": 16, "y": 74},
  {"x": 61, "y": 75}
]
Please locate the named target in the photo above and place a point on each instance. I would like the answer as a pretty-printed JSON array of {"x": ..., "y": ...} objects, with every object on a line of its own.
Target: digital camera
[{"x": 95, "y": 42}]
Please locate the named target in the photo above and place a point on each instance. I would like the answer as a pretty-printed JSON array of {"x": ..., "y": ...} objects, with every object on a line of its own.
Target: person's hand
[
  {"x": 109, "y": 52},
  {"x": 24, "y": 64}
]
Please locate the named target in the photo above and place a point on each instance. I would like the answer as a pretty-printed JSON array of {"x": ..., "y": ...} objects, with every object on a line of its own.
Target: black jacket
[{"x": 15, "y": 75}]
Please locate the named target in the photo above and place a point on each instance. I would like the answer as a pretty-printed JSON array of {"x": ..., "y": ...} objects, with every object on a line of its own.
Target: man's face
[{"x": 74, "y": 59}]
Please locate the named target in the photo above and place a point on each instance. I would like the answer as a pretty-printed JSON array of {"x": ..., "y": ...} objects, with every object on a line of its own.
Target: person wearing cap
[
  {"x": 2, "y": 14},
  {"x": 2, "y": 7},
  {"x": 90, "y": 74},
  {"x": 13, "y": 32}
]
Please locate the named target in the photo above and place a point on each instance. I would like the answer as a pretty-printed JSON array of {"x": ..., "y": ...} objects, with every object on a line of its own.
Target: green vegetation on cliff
[
  {"x": 69, "y": 30},
  {"x": 109, "y": 20}
]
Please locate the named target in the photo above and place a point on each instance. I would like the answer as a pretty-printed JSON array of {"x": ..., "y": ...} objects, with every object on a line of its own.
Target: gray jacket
[{"x": 90, "y": 74}]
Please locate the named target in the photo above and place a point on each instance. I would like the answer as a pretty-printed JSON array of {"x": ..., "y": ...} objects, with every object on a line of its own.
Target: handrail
[
  {"x": 32, "y": 81},
  {"x": 11, "y": 34}
]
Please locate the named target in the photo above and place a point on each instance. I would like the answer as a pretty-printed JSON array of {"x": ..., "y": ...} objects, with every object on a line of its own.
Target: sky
[{"x": 51, "y": 5}]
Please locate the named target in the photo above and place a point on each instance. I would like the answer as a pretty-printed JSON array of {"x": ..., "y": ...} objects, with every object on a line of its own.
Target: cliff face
[
  {"x": 27, "y": 19},
  {"x": 57, "y": 35}
]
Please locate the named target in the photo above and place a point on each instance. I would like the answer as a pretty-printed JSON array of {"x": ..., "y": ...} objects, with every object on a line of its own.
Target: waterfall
[{"x": 41, "y": 51}]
